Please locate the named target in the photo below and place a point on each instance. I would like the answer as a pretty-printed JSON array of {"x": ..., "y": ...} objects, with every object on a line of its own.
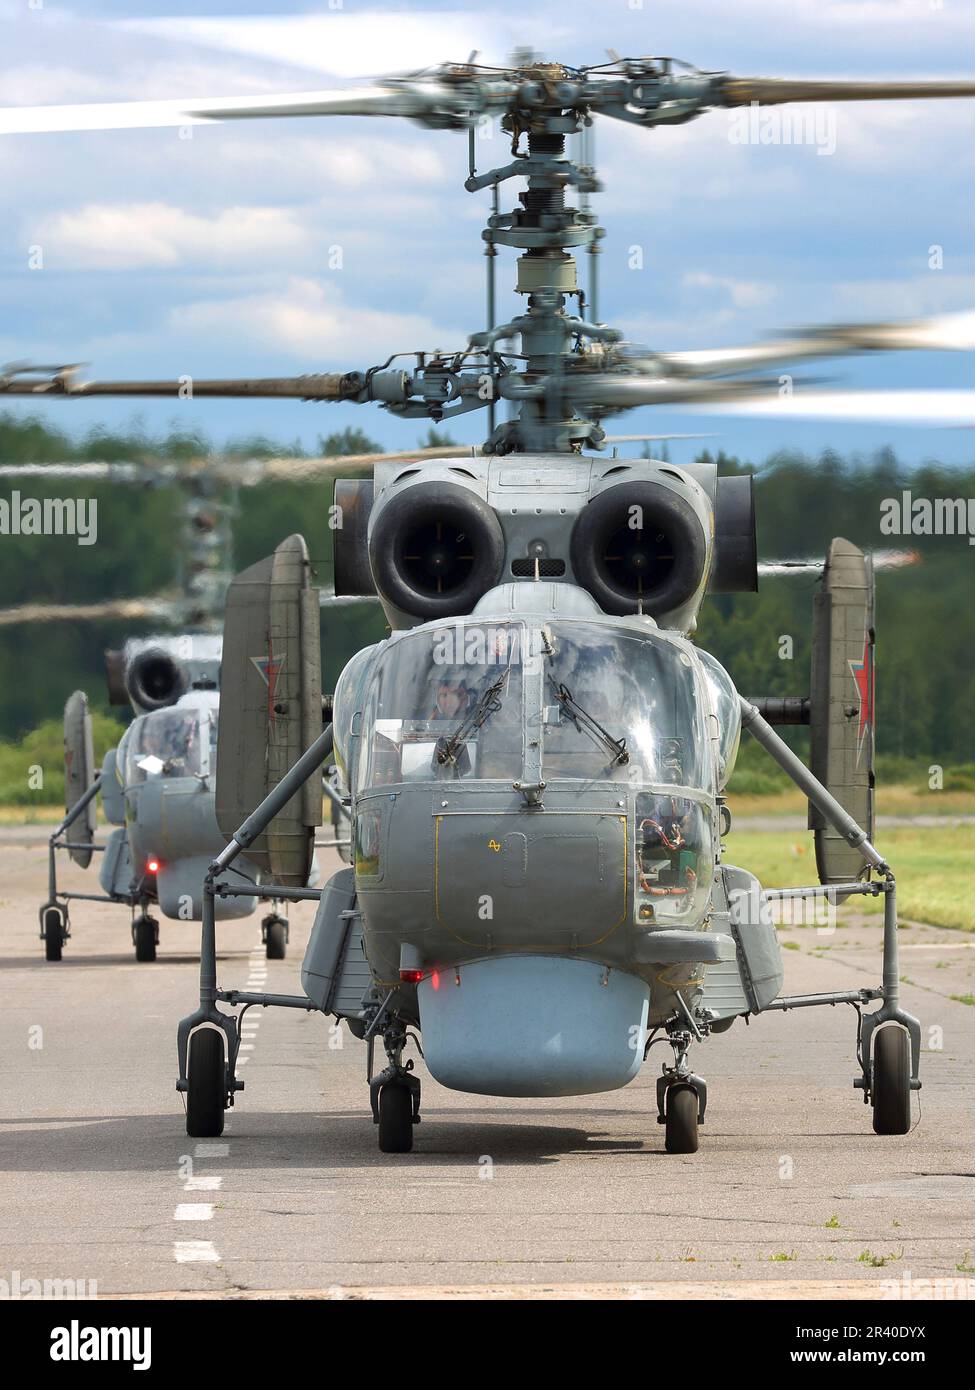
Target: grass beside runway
[{"x": 934, "y": 867}]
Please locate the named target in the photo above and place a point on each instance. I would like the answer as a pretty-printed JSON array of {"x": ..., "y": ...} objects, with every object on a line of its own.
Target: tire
[
  {"x": 682, "y": 1106},
  {"x": 207, "y": 1084},
  {"x": 395, "y": 1119},
  {"x": 53, "y": 933},
  {"x": 276, "y": 938},
  {"x": 144, "y": 935},
  {"x": 891, "y": 1081}
]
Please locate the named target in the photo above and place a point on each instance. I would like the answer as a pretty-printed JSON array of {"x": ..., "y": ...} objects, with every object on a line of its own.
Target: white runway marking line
[
  {"x": 211, "y": 1150},
  {"x": 196, "y": 1252},
  {"x": 203, "y": 1184},
  {"x": 194, "y": 1211}
]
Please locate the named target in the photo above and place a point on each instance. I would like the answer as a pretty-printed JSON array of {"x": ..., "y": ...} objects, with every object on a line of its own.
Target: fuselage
[{"x": 534, "y": 823}]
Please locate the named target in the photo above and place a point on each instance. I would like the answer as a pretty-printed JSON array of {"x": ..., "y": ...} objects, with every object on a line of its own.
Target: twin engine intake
[
  {"x": 640, "y": 536},
  {"x": 153, "y": 673}
]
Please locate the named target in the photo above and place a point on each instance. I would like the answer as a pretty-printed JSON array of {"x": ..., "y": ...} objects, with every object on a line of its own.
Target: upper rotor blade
[
  {"x": 943, "y": 332},
  {"x": 766, "y": 91},
  {"x": 136, "y": 115}
]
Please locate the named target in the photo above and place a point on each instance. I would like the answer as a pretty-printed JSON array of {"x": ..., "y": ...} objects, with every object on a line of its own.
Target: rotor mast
[{"x": 546, "y": 230}]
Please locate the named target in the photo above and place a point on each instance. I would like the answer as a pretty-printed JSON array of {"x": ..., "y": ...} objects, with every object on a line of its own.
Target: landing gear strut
[
  {"x": 682, "y": 1097},
  {"x": 395, "y": 1095}
]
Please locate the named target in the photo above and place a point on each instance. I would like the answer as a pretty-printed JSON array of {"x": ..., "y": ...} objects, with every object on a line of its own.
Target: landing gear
[
  {"x": 274, "y": 934},
  {"x": 682, "y": 1097},
  {"x": 891, "y": 1080},
  {"x": 395, "y": 1094},
  {"x": 206, "y": 1093},
  {"x": 145, "y": 937},
  {"x": 55, "y": 931}
]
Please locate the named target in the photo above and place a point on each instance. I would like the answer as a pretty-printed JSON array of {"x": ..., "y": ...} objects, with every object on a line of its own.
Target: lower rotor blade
[
  {"x": 950, "y": 408},
  {"x": 330, "y": 386},
  {"x": 766, "y": 91},
  {"x": 69, "y": 613}
]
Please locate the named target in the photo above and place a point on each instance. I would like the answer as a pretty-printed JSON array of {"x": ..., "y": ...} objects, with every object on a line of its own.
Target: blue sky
[{"x": 209, "y": 256}]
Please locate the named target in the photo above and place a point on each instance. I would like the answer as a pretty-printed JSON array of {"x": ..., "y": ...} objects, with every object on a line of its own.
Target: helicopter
[
  {"x": 535, "y": 759},
  {"x": 156, "y": 786}
]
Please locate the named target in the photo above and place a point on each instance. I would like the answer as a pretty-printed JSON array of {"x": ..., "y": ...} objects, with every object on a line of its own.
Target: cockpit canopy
[
  {"x": 175, "y": 742},
  {"x": 727, "y": 711},
  {"x": 474, "y": 699}
]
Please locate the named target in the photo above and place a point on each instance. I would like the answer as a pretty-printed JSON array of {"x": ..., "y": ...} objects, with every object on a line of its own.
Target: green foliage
[
  {"x": 926, "y": 621},
  {"x": 436, "y": 439},
  {"x": 347, "y": 441},
  {"x": 925, "y": 618},
  {"x": 43, "y": 749}
]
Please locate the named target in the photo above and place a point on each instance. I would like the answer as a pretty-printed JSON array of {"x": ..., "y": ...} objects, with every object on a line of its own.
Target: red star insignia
[
  {"x": 863, "y": 678},
  {"x": 270, "y": 668}
]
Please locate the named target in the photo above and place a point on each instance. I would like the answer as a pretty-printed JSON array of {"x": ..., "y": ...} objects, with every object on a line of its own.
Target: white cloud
[
  {"x": 744, "y": 294},
  {"x": 310, "y": 320},
  {"x": 128, "y": 236}
]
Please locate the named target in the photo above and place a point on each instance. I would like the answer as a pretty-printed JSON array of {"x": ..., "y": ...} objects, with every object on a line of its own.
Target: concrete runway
[{"x": 791, "y": 1193}]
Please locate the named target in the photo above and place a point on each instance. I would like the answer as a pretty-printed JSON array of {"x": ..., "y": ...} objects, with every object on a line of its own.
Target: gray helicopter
[
  {"x": 156, "y": 790},
  {"x": 156, "y": 787},
  {"x": 535, "y": 759}
]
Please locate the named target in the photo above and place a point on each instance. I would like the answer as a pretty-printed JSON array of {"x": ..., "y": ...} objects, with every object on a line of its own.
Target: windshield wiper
[
  {"x": 584, "y": 721},
  {"x": 489, "y": 703}
]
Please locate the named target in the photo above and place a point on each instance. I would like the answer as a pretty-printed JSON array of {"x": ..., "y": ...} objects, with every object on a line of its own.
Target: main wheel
[
  {"x": 395, "y": 1119},
  {"x": 275, "y": 938},
  {"x": 145, "y": 935},
  {"x": 207, "y": 1084},
  {"x": 892, "y": 1080},
  {"x": 53, "y": 933},
  {"x": 681, "y": 1127}
]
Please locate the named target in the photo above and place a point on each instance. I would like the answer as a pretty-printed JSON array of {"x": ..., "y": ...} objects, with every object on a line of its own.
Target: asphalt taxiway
[{"x": 790, "y": 1193}]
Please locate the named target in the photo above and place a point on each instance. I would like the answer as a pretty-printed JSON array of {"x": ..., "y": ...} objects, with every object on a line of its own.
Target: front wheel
[
  {"x": 206, "y": 1095},
  {"x": 275, "y": 938},
  {"x": 145, "y": 934},
  {"x": 681, "y": 1120},
  {"x": 891, "y": 1081},
  {"x": 395, "y": 1119},
  {"x": 53, "y": 933}
]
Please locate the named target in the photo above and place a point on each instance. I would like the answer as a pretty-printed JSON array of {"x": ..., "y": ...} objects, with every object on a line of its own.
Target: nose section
[
  {"x": 533, "y": 1026},
  {"x": 493, "y": 872}
]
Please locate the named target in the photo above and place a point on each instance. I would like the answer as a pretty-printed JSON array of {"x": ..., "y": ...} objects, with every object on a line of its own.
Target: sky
[{"x": 216, "y": 255}]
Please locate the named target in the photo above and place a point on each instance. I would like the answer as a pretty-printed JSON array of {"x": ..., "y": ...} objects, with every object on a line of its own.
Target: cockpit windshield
[
  {"x": 169, "y": 743},
  {"x": 446, "y": 703},
  {"x": 639, "y": 690},
  {"x": 469, "y": 700}
]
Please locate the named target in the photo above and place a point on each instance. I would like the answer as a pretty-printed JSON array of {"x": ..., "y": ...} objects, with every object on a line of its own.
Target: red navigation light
[
  {"x": 411, "y": 977},
  {"x": 152, "y": 864}
]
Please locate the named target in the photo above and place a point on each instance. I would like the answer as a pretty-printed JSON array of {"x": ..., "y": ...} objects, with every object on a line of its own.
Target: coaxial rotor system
[{"x": 557, "y": 373}]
